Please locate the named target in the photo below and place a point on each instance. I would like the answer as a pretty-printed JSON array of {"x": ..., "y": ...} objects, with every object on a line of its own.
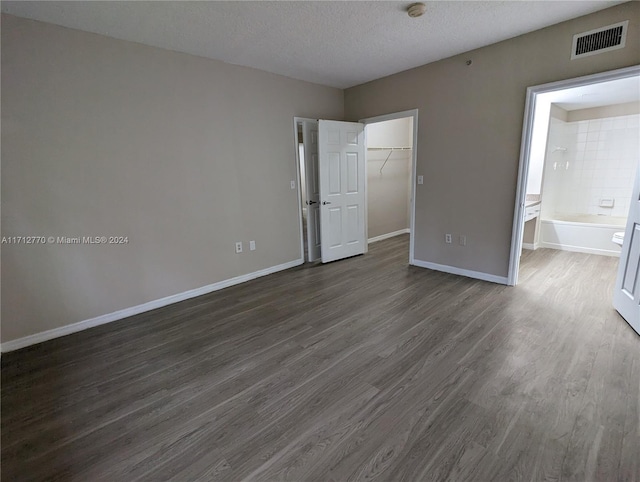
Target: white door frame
[
  {"x": 414, "y": 156},
  {"x": 525, "y": 151},
  {"x": 296, "y": 121}
]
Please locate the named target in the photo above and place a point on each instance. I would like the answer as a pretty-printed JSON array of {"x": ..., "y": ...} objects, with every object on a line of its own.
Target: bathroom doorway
[
  {"x": 581, "y": 160},
  {"x": 579, "y": 164}
]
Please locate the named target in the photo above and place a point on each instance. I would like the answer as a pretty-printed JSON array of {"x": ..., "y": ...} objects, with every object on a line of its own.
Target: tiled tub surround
[{"x": 588, "y": 162}]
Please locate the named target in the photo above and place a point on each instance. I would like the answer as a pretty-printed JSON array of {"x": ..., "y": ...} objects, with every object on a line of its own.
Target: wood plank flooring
[{"x": 361, "y": 369}]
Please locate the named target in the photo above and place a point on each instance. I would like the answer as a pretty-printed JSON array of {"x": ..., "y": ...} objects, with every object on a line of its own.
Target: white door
[
  {"x": 312, "y": 187},
  {"x": 342, "y": 184},
  {"x": 626, "y": 297}
]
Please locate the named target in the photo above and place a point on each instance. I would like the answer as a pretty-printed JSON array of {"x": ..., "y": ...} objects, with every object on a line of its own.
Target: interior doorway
[
  {"x": 580, "y": 179},
  {"x": 580, "y": 156},
  {"x": 391, "y": 166},
  {"x": 332, "y": 180},
  {"x": 578, "y": 162},
  {"x": 389, "y": 179},
  {"x": 307, "y": 157},
  {"x": 377, "y": 168}
]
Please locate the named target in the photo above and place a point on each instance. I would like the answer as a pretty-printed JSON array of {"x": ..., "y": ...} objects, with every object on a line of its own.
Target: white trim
[
  {"x": 414, "y": 161},
  {"x": 366, "y": 188},
  {"x": 296, "y": 142},
  {"x": 531, "y": 246},
  {"x": 414, "y": 179},
  {"x": 135, "y": 310},
  {"x": 461, "y": 272},
  {"x": 580, "y": 249},
  {"x": 391, "y": 116},
  {"x": 389, "y": 235},
  {"x": 525, "y": 148}
]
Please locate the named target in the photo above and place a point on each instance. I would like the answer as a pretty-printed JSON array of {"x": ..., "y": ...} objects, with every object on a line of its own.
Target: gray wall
[
  {"x": 470, "y": 127},
  {"x": 182, "y": 154},
  {"x": 186, "y": 155}
]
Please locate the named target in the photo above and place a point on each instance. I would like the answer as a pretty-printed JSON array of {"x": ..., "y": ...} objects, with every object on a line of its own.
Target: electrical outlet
[
  {"x": 252, "y": 245},
  {"x": 463, "y": 240},
  {"x": 239, "y": 247},
  {"x": 447, "y": 238},
  {"x": 293, "y": 184},
  {"x": 420, "y": 180}
]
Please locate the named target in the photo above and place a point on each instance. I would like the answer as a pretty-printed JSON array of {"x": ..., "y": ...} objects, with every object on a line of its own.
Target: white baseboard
[
  {"x": 531, "y": 246},
  {"x": 580, "y": 249},
  {"x": 135, "y": 310},
  {"x": 388, "y": 235},
  {"x": 462, "y": 272}
]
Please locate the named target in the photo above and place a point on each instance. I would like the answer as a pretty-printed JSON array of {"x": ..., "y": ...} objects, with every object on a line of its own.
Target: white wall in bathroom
[
  {"x": 558, "y": 138},
  {"x": 539, "y": 139},
  {"x": 600, "y": 161}
]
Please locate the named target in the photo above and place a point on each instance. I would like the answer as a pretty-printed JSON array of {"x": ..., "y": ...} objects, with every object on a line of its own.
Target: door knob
[
  {"x": 325, "y": 202},
  {"x": 309, "y": 203}
]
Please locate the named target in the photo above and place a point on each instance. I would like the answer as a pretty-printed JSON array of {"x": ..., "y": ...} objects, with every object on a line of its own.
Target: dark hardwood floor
[{"x": 364, "y": 368}]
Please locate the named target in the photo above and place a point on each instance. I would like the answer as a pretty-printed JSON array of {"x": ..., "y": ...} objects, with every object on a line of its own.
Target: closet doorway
[
  {"x": 391, "y": 142},
  {"x": 389, "y": 154}
]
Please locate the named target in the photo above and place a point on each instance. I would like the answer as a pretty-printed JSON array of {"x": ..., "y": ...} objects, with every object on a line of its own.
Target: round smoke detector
[{"x": 416, "y": 10}]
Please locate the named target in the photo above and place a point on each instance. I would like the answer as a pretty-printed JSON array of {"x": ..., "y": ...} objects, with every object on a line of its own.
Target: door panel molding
[{"x": 342, "y": 189}]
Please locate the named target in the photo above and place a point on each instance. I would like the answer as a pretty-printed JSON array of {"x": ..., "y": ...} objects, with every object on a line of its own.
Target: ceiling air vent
[{"x": 599, "y": 40}]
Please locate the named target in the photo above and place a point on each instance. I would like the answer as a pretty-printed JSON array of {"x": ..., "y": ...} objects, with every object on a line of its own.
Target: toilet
[{"x": 618, "y": 238}]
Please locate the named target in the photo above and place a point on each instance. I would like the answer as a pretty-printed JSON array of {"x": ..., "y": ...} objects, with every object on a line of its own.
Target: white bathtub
[{"x": 584, "y": 233}]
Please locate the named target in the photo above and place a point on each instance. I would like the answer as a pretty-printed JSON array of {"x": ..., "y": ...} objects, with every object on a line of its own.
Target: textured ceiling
[{"x": 335, "y": 43}]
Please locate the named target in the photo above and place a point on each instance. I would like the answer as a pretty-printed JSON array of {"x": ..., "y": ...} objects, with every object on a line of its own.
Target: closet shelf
[{"x": 387, "y": 148}]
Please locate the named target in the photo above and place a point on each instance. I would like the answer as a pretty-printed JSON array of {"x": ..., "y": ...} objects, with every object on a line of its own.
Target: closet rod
[{"x": 390, "y": 149}]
